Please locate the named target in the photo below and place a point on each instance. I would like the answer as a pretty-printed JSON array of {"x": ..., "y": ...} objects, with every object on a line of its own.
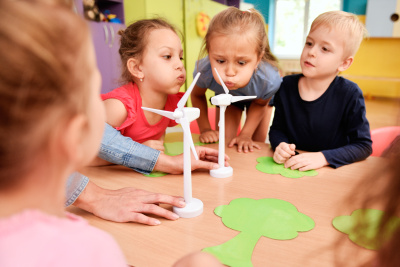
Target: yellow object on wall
[{"x": 202, "y": 22}]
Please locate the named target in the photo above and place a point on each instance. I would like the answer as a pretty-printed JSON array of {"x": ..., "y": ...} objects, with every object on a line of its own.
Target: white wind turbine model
[
  {"x": 184, "y": 115},
  {"x": 223, "y": 100}
]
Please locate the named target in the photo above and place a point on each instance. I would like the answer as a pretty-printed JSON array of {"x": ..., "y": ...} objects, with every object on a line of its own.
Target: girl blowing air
[
  {"x": 237, "y": 46},
  {"x": 153, "y": 72}
]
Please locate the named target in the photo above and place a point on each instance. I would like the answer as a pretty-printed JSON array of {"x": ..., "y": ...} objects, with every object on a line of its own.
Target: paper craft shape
[
  {"x": 269, "y": 217},
  {"x": 367, "y": 222},
  {"x": 184, "y": 115},
  {"x": 268, "y": 165}
]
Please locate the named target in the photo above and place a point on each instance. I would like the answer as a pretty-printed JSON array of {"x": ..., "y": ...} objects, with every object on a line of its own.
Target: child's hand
[
  {"x": 244, "y": 143},
  {"x": 156, "y": 144},
  {"x": 209, "y": 136},
  {"x": 283, "y": 152},
  {"x": 306, "y": 161}
]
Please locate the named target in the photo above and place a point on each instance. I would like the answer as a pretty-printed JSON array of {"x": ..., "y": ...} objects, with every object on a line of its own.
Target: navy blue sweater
[{"x": 334, "y": 124}]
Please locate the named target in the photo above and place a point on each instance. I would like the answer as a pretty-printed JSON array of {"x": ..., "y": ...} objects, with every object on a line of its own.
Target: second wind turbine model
[{"x": 223, "y": 100}]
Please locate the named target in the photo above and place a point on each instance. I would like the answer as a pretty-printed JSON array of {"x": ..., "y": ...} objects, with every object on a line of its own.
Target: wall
[{"x": 376, "y": 68}]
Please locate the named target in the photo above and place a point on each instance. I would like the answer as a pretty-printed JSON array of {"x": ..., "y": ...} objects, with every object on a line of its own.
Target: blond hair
[
  {"x": 345, "y": 22},
  {"x": 231, "y": 21},
  {"x": 134, "y": 40},
  {"x": 42, "y": 67}
]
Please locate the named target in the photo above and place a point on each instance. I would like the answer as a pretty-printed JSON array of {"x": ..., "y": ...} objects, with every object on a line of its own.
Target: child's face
[
  {"x": 162, "y": 64},
  {"x": 323, "y": 53},
  {"x": 235, "y": 57},
  {"x": 95, "y": 107}
]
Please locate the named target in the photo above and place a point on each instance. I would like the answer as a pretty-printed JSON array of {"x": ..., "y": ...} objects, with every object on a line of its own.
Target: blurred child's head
[
  {"x": 236, "y": 42},
  {"x": 349, "y": 26},
  {"x": 331, "y": 44},
  {"x": 49, "y": 88},
  {"x": 151, "y": 52}
]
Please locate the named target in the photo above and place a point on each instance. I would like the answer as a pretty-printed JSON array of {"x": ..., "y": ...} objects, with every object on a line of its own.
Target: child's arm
[
  {"x": 198, "y": 97},
  {"x": 257, "y": 110},
  {"x": 116, "y": 112}
]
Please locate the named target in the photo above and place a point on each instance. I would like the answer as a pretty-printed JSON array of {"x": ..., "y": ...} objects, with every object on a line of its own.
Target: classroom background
[{"x": 376, "y": 68}]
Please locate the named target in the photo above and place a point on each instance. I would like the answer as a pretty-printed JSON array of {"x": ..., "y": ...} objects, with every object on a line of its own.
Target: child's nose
[
  {"x": 230, "y": 70},
  {"x": 179, "y": 64},
  {"x": 311, "y": 51}
]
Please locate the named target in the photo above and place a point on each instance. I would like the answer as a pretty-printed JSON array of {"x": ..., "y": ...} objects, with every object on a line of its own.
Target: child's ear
[
  {"x": 134, "y": 68},
  {"x": 345, "y": 64},
  {"x": 260, "y": 58},
  {"x": 73, "y": 137}
]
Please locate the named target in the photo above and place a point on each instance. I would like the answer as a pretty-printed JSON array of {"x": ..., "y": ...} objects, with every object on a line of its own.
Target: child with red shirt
[{"x": 151, "y": 54}]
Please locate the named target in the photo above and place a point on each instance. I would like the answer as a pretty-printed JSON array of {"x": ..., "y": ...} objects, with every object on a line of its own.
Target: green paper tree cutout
[
  {"x": 268, "y": 165},
  {"x": 269, "y": 217},
  {"x": 171, "y": 149},
  {"x": 362, "y": 227}
]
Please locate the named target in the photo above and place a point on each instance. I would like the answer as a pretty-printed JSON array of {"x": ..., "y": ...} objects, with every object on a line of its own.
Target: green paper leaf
[
  {"x": 268, "y": 165},
  {"x": 269, "y": 217},
  {"x": 366, "y": 222},
  {"x": 156, "y": 174}
]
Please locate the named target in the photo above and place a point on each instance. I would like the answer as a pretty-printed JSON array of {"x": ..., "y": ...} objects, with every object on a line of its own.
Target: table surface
[{"x": 321, "y": 197}]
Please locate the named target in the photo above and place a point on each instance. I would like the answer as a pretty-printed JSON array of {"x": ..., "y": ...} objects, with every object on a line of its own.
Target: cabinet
[
  {"x": 382, "y": 18},
  {"x": 106, "y": 42}
]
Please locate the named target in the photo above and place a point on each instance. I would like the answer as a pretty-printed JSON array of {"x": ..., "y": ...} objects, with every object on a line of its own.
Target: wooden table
[{"x": 320, "y": 197}]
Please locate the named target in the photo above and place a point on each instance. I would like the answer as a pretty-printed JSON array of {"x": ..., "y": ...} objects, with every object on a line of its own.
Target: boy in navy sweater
[{"x": 318, "y": 111}]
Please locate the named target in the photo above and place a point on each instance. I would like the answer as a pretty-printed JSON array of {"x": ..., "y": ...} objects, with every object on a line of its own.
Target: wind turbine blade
[
  {"x": 185, "y": 97},
  {"x": 222, "y": 82},
  {"x": 168, "y": 114},
  {"x": 186, "y": 131},
  {"x": 240, "y": 98}
]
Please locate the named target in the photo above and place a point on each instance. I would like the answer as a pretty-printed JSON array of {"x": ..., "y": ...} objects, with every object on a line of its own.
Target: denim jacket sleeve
[
  {"x": 121, "y": 150},
  {"x": 75, "y": 184},
  {"x": 117, "y": 149}
]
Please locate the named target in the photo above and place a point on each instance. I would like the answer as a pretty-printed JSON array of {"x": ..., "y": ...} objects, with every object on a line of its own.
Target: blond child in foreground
[
  {"x": 318, "y": 111},
  {"x": 237, "y": 46}
]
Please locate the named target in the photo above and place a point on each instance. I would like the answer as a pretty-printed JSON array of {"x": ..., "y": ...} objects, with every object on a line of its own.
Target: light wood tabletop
[{"x": 319, "y": 197}]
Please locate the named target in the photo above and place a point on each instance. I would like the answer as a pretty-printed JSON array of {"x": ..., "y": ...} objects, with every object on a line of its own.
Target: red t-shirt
[{"x": 136, "y": 126}]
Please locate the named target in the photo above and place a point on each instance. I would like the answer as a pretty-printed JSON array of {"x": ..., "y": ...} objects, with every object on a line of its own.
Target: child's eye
[
  {"x": 242, "y": 62},
  {"x": 308, "y": 44},
  {"x": 325, "y": 49},
  {"x": 167, "y": 57},
  {"x": 220, "y": 61},
  {"x": 181, "y": 58}
]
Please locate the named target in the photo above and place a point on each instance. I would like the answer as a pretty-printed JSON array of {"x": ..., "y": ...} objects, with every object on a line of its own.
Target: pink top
[
  {"x": 136, "y": 126},
  {"x": 33, "y": 238}
]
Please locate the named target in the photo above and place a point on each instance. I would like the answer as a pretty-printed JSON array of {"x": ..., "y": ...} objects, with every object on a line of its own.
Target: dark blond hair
[
  {"x": 234, "y": 21},
  {"x": 42, "y": 81},
  {"x": 134, "y": 39},
  {"x": 345, "y": 22}
]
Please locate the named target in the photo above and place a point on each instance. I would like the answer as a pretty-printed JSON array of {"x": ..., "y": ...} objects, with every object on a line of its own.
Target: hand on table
[
  {"x": 155, "y": 144},
  {"x": 127, "y": 204},
  {"x": 244, "y": 143},
  {"x": 209, "y": 136},
  {"x": 306, "y": 161},
  {"x": 208, "y": 159},
  {"x": 283, "y": 152}
]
